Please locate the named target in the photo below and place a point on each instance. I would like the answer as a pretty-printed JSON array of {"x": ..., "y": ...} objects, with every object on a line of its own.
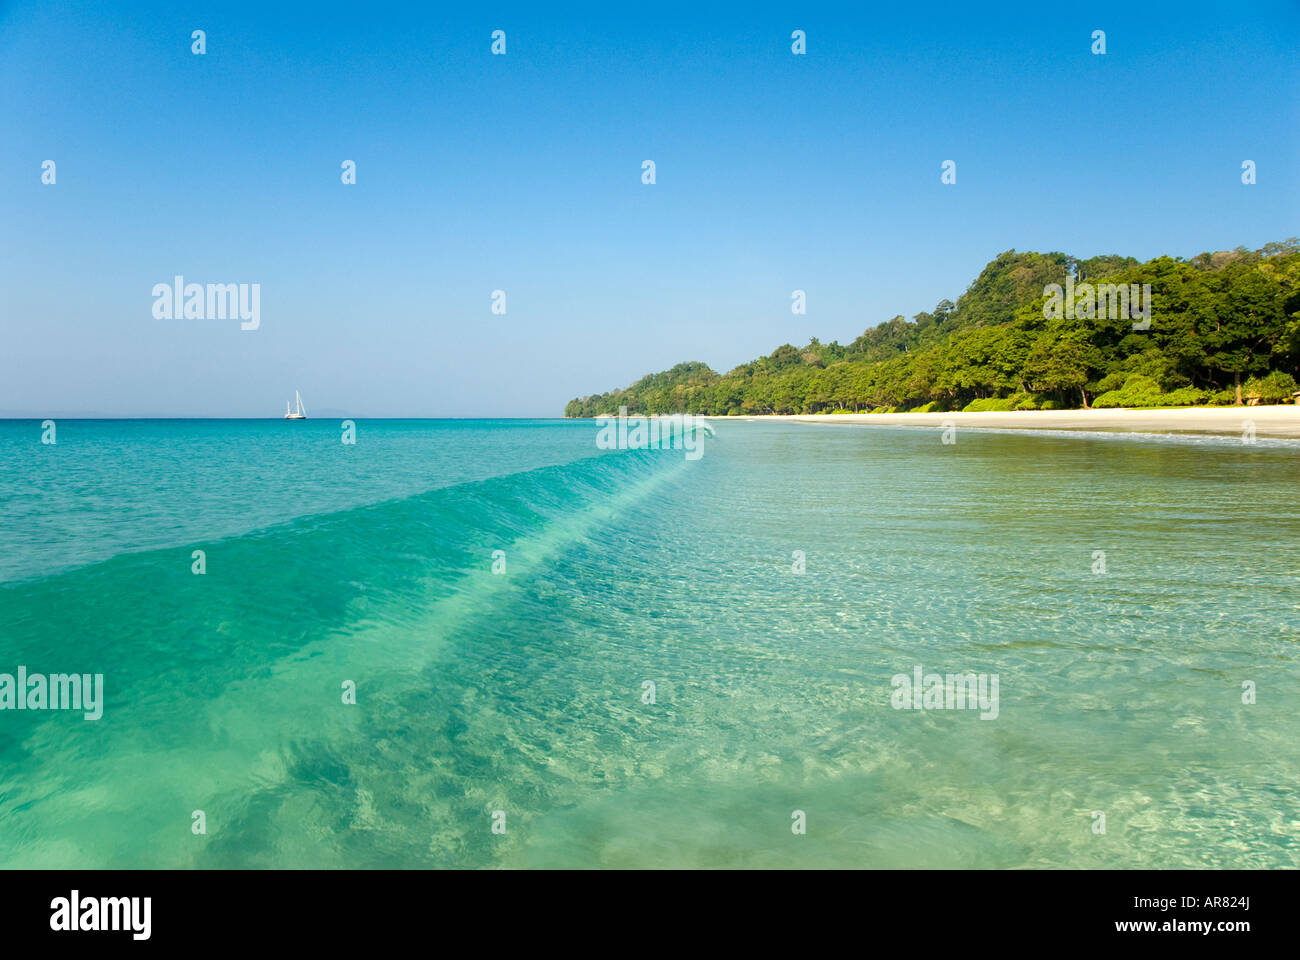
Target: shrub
[
  {"x": 1272, "y": 388},
  {"x": 1183, "y": 397},
  {"x": 988, "y": 405},
  {"x": 1112, "y": 381},
  {"x": 1138, "y": 391}
]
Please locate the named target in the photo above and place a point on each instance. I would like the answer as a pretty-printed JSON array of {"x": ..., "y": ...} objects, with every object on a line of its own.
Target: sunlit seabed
[{"x": 523, "y": 692}]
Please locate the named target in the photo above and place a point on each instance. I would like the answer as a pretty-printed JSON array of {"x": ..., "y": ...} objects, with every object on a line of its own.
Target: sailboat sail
[{"x": 298, "y": 413}]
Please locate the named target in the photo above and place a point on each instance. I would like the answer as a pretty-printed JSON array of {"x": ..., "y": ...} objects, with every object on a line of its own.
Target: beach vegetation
[{"x": 1223, "y": 327}]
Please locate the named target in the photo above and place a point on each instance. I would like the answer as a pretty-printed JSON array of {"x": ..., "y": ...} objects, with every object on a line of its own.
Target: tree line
[{"x": 1224, "y": 328}]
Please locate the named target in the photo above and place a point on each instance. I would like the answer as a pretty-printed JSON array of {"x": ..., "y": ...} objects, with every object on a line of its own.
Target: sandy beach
[{"x": 1271, "y": 421}]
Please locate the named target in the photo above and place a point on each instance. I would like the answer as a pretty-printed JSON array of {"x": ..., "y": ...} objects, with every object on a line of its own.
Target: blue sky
[{"x": 477, "y": 172}]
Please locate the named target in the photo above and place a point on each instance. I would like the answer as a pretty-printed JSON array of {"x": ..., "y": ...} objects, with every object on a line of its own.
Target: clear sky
[{"x": 522, "y": 172}]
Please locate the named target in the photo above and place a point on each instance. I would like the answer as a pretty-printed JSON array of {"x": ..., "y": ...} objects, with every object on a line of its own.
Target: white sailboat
[{"x": 299, "y": 413}]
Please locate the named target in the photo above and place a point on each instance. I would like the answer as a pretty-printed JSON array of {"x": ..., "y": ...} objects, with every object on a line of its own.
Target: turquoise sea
[{"x": 525, "y": 691}]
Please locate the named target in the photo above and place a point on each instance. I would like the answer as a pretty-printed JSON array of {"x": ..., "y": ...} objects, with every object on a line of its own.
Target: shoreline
[{"x": 1275, "y": 421}]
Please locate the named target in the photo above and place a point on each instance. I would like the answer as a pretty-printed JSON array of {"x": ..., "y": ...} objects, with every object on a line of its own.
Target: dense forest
[{"x": 1224, "y": 329}]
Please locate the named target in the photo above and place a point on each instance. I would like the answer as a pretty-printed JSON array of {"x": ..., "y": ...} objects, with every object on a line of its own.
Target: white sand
[{"x": 1272, "y": 421}]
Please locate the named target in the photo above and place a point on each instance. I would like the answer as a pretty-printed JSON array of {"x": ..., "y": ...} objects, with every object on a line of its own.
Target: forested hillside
[{"x": 1224, "y": 328}]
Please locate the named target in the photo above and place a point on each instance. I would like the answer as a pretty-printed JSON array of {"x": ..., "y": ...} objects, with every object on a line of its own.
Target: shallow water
[{"x": 523, "y": 692}]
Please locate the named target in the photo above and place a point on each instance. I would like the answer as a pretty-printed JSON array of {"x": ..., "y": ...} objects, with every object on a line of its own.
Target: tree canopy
[{"x": 1224, "y": 328}]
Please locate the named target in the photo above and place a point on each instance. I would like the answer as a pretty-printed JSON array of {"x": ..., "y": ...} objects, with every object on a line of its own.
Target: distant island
[{"x": 1218, "y": 329}]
